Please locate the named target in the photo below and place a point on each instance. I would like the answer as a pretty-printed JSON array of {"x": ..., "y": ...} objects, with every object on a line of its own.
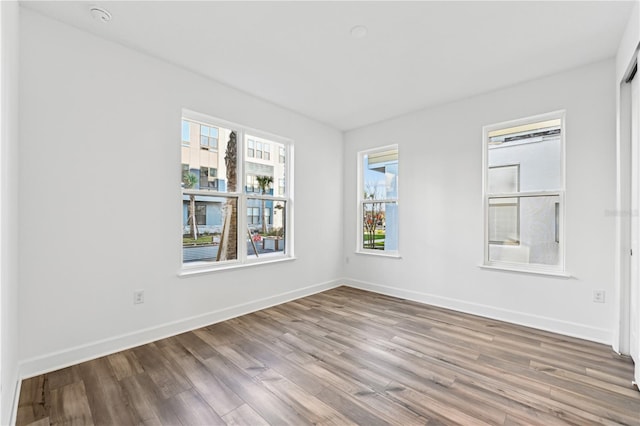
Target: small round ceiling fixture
[
  {"x": 100, "y": 14},
  {"x": 359, "y": 31}
]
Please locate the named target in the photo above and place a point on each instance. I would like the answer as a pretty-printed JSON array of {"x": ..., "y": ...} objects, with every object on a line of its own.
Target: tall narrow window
[
  {"x": 378, "y": 201},
  {"x": 524, "y": 194},
  {"x": 214, "y": 191}
]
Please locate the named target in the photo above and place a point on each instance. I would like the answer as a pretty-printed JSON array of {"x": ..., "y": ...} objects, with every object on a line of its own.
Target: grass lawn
[
  {"x": 378, "y": 239},
  {"x": 202, "y": 240}
]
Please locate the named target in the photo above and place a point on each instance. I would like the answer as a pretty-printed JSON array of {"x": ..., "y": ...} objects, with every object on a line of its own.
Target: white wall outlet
[
  {"x": 598, "y": 296},
  {"x": 138, "y": 297}
]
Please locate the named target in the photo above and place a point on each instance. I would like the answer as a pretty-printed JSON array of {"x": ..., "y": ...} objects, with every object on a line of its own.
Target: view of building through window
[
  {"x": 524, "y": 192},
  {"x": 214, "y": 192},
  {"x": 378, "y": 194}
]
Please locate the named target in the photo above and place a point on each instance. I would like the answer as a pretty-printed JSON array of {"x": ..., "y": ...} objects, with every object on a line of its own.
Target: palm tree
[
  {"x": 189, "y": 180},
  {"x": 228, "y": 249},
  {"x": 263, "y": 183}
]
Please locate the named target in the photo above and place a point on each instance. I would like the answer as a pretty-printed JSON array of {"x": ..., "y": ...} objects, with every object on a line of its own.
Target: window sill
[
  {"x": 206, "y": 269},
  {"x": 380, "y": 254},
  {"x": 556, "y": 274}
]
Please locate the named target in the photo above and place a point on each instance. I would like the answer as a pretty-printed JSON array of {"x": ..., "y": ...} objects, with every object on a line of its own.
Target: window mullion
[{"x": 243, "y": 226}]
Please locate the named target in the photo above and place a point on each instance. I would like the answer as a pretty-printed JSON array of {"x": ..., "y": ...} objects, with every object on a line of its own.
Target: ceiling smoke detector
[{"x": 100, "y": 14}]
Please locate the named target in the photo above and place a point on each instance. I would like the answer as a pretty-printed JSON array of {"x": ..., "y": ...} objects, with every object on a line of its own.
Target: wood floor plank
[
  {"x": 124, "y": 364},
  {"x": 191, "y": 409},
  {"x": 160, "y": 370},
  {"x": 147, "y": 401},
  {"x": 265, "y": 403},
  {"x": 34, "y": 401},
  {"x": 64, "y": 376},
  {"x": 303, "y": 403},
  {"x": 344, "y": 356},
  {"x": 141, "y": 402},
  {"x": 244, "y": 416},
  {"x": 70, "y": 406},
  {"x": 209, "y": 388},
  {"x": 104, "y": 394}
]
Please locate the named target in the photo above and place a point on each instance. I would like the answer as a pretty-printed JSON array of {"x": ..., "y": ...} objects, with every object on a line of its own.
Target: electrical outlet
[
  {"x": 138, "y": 297},
  {"x": 598, "y": 296}
]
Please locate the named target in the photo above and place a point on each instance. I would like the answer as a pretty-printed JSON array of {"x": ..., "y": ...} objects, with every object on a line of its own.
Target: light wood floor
[{"x": 344, "y": 356}]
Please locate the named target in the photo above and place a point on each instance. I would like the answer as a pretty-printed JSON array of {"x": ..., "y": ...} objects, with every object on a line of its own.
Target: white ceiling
[{"x": 301, "y": 56}]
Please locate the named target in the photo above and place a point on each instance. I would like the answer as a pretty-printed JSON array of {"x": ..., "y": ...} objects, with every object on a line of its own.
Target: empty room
[{"x": 291, "y": 213}]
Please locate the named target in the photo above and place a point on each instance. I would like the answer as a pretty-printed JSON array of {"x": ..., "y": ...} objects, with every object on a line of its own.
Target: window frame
[
  {"x": 557, "y": 270},
  {"x": 244, "y": 259},
  {"x": 361, "y": 201}
]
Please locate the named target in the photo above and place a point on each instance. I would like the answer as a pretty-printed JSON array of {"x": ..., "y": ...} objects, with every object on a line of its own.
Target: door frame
[{"x": 621, "y": 338}]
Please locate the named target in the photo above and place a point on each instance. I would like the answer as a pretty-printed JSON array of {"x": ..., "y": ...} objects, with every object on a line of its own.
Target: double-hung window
[
  {"x": 219, "y": 185},
  {"x": 524, "y": 194},
  {"x": 378, "y": 201}
]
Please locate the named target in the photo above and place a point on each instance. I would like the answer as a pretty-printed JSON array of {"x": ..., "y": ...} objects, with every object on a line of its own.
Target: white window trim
[
  {"x": 243, "y": 259},
  {"x": 360, "y": 202},
  {"x": 558, "y": 271}
]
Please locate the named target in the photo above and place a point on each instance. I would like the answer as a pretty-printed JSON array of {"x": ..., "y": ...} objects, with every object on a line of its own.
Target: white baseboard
[
  {"x": 53, "y": 361},
  {"x": 594, "y": 334}
]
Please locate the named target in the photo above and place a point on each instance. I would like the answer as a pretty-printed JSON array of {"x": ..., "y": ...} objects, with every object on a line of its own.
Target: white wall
[
  {"x": 9, "y": 13},
  {"x": 100, "y": 148},
  {"x": 440, "y": 201}
]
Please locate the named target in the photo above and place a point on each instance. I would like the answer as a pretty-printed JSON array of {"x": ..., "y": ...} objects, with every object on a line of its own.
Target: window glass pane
[
  {"x": 262, "y": 176},
  {"x": 209, "y": 228},
  {"x": 381, "y": 175},
  {"x": 380, "y": 225},
  {"x": 504, "y": 179},
  {"x": 535, "y": 147},
  {"x": 266, "y": 234},
  {"x": 186, "y": 132},
  {"x": 207, "y": 169},
  {"x": 504, "y": 225},
  {"x": 536, "y": 233}
]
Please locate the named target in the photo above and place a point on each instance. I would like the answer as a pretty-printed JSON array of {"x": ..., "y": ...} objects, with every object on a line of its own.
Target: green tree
[{"x": 189, "y": 180}]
